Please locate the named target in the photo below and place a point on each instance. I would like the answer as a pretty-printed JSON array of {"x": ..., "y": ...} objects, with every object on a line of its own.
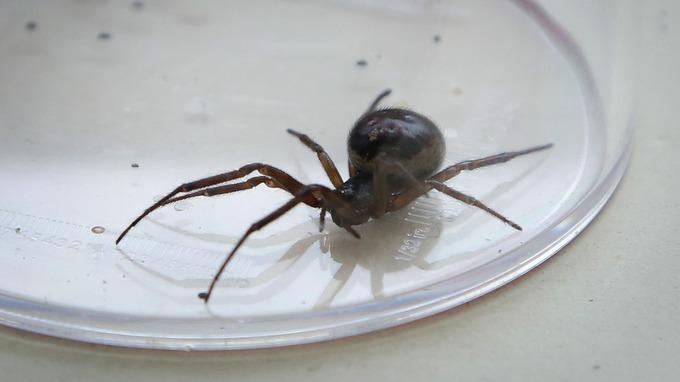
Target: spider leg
[
  {"x": 316, "y": 190},
  {"x": 383, "y": 203},
  {"x": 457, "y": 168},
  {"x": 246, "y": 185},
  {"x": 381, "y": 190},
  {"x": 219, "y": 190},
  {"x": 285, "y": 180},
  {"x": 324, "y": 158},
  {"x": 441, "y": 187},
  {"x": 400, "y": 201},
  {"x": 332, "y": 201},
  {"x": 377, "y": 100}
]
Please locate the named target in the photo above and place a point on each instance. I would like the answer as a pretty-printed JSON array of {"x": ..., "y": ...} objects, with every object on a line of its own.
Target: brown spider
[{"x": 393, "y": 154}]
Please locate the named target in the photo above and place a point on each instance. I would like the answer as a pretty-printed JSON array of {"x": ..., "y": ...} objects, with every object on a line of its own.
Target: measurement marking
[
  {"x": 78, "y": 237},
  {"x": 419, "y": 216},
  {"x": 417, "y": 221}
]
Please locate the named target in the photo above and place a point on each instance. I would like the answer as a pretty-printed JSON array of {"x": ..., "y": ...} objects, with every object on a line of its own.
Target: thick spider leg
[
  {"x": 324, "y": 158},
  {"x": 400, "y": 201},
  {"x": 299, "y": 197},
  {"x": 441, "y": 187},
  {"x": 381, "y": 190},
  {"x": 228, "y": 188},
  {"x": 457, "y": 168},
  {"x": 377, "y": 100},
  {"x": 248, "y": 184},
  {"x": 285, "y": 180}
]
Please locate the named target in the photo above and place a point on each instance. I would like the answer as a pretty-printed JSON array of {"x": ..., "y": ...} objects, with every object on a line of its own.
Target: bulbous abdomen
[{"x": 396, "y": 134}]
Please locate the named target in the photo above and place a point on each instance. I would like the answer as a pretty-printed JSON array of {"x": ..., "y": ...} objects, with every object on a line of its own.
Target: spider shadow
[
  {"x": 391, "y": 244},
  {"x": 395, "y": 243}
]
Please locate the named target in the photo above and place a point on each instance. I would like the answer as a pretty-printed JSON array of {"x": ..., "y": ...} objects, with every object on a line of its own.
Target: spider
[{"x": 394, "y": 155}]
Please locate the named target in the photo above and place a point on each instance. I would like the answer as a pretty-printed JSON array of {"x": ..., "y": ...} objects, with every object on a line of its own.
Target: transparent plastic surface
[{"x": 105, "y": 107}]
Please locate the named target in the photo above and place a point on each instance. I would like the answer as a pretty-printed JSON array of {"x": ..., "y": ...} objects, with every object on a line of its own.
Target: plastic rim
[{"x": 342, "y": 322}]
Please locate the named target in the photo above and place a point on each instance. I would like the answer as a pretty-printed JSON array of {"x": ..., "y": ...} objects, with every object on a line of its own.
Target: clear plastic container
[{"x": 106, "y": 106}]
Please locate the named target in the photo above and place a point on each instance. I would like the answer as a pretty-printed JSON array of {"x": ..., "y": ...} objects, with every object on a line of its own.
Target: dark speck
[
  {"x": 362, "y": 63},
  {"x": 31, "y": 25},
  {"x": 203, "y": 295},
  {"x": 591, "y": 300},
  {"x": 17, "y": 230},
  {"x": 596, "y": 367},
  {"x": 137, "y": 5},
  {"x": 134, "y": 165},
  {"x": 500, "y": 250},
  {"x": 436, "y": 38},
  {"x": 104, "y": 35}
]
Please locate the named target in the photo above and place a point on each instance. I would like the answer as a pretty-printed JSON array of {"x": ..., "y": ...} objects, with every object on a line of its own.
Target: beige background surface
[{"x": 605, "y": 308}]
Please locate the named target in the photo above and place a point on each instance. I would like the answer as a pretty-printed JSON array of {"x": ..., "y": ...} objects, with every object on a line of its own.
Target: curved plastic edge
[{"x": 401, "y": 310}]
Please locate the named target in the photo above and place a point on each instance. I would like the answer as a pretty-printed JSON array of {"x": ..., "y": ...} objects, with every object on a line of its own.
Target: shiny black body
[
  {"x": 392, "y": 135},
  {"x": 399, "y": 135}
]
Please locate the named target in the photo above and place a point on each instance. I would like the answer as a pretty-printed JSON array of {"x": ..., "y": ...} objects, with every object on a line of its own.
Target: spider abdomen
[{"x": 396, "y": 134}]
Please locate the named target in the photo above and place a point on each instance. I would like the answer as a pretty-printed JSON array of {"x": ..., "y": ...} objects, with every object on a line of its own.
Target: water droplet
[{"x": 98, "y": 229}]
